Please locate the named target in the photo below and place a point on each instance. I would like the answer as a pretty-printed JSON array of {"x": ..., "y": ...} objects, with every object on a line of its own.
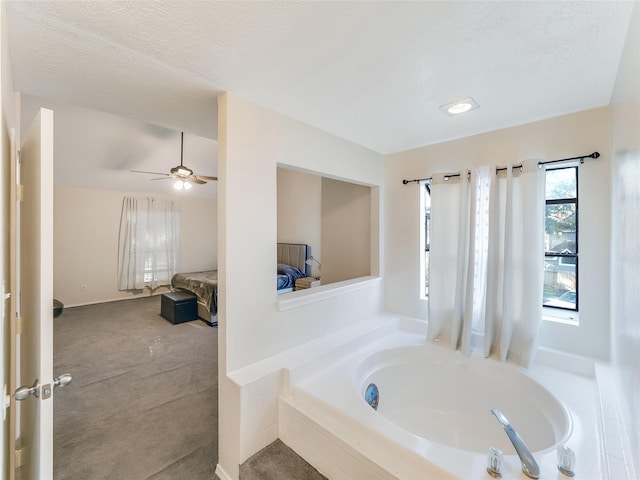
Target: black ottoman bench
[{"x": 179, "y": 306}]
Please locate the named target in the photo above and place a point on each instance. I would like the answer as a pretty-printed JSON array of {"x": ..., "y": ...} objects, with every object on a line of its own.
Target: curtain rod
[{"x": 446, "y": 177}]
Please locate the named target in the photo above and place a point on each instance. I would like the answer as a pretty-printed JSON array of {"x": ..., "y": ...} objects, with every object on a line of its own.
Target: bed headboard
[{"x": 296, "y": 255}]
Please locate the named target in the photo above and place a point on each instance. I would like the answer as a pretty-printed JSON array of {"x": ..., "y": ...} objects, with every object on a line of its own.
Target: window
[
  {"x": 561, "y": 239},
  {"x": 149, "y": 243},
  {"x": 426, "y": 235},
  {"x": 160, "y": 244}
]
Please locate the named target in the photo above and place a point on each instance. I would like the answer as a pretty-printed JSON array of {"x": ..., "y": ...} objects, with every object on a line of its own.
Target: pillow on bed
[
  {"x": 290, "y": 271},
  {"x": 287, "y": 275}
]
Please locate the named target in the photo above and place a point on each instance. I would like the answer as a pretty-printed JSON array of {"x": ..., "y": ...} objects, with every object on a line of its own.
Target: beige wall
[
  {"x": 555, "y": 138},
  {"x": 299, "y": 209},
  {"x": 346, "y": 231},
  {"x": 625, "y": 251},
  {"x": 8, "y": 121},
  {"x": 86, "y": 227}
]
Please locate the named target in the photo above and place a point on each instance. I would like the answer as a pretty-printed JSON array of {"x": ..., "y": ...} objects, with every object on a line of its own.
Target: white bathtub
[
  {"x": 433, "y": 419},
  {"x": 447, "y": 398}
]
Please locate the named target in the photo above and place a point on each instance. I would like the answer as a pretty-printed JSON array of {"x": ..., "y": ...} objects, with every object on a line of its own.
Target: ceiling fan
[{"x": 184, "y": 175}]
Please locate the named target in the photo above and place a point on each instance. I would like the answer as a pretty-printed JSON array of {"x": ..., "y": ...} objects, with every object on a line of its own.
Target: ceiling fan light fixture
[
  {"x": 182, "y": 171},
  {"x": 182, "y": 185},
  {"x": 185, "y": 178}
]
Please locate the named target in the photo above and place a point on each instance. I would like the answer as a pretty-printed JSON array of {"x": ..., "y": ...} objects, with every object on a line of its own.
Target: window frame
[
  {"x": 553, "y": 312},
  {"x": 425, "y": 235}
]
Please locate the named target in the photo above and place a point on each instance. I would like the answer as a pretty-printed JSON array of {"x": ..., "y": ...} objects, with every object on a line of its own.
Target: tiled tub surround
[
  {"x": 324, "y": 418},
  {"x": 259, "y": 385}
]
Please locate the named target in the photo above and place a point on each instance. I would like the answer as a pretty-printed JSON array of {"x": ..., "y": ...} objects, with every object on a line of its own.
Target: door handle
[
  {"x": 58, "y": 382},
  {"x": 62, "y": 380},
  {"x": 23, "y": 393}
]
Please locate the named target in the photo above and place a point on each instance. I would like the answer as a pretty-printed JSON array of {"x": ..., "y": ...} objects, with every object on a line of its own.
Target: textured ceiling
[{"x": 371, "y": 72}]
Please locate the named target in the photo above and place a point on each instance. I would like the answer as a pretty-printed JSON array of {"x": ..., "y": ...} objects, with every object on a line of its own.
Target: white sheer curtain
[
  {"x": 448, "y": 257},
  {"x": 149, "y": 243},
  {"x": 478, "y": 256},
  {"x": 516, "y": 263},
  {"x": 486, "y": 260}
]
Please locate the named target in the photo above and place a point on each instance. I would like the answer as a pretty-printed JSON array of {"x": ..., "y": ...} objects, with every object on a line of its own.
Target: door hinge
[
  {"x": 19, "y": 456},
  {"x": 5, "y": 296},
  {"x": 6, "y": 402},
  {"x": 18, "y": 325},
  {"x": 19, "y": 193}
]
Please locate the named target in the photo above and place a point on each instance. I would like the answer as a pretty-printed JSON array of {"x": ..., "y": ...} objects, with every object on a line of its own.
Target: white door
[{"x": 34, "y": 362}]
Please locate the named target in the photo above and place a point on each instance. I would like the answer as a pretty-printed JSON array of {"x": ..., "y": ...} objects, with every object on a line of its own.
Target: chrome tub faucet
[{"x": 529, "y": 464}]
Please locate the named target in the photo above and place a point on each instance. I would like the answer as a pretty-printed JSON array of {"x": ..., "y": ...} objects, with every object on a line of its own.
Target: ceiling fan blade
[
  {"x": 152, "y": 173},
  {"x": 181, "y": 172},
  {"x": 194, "y": 179}
]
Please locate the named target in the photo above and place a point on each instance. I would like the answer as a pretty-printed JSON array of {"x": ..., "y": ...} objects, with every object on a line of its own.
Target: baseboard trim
[
  {"x": 96, "y": 302},
  {"x": 222, "y": 474}
]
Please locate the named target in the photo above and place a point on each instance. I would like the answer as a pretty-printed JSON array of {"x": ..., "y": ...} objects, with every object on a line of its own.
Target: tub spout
[{"x": 529, "y": 464}]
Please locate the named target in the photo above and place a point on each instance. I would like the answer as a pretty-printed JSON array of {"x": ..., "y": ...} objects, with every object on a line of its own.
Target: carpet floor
[
  {"x": 144, "y": 398},
  {"x": 143, "y": 404},
  {"x": 278, "y": 462}
]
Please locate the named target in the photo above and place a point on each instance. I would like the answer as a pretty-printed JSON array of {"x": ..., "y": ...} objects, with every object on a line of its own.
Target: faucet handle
[
  {"x": 494, "y": 458},
  {"x": 566, "y": 460}
]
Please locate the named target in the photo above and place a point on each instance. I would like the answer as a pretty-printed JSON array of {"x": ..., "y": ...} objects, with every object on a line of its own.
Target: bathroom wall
[
  {"x": 625, "y": 230},
  {"x": 254, "y": 328},
  {"x": 300, "y": 210},
  {"x": 257, "y": 140},
  {"x": 562, "y": 137},
  {"x": 85, "y": 243}
]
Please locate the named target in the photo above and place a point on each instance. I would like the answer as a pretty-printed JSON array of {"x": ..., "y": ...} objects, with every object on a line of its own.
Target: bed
[
  {"x": 204, "y": 285},
  {"x": 292, "y": 264},
  {"x": 292, "y": 258}
]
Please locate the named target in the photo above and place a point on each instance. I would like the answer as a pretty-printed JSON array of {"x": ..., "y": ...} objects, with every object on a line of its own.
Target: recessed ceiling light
[{"x": 461, "y": 106}]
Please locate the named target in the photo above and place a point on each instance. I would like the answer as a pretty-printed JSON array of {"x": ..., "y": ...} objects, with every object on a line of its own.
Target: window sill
[
  {"x": 324, "y": 292},
  {"x": 565, "y": 317}
]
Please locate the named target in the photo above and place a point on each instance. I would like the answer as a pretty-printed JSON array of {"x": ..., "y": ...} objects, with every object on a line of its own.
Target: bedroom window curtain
[
  {"x": 148, "y": 243},
  {"x": 486, "y": 265}
]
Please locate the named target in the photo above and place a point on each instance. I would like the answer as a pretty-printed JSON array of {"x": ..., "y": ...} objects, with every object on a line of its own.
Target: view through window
[
  {"x": 426, "y": 200},
  {"x": 561, "y": 239}
]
